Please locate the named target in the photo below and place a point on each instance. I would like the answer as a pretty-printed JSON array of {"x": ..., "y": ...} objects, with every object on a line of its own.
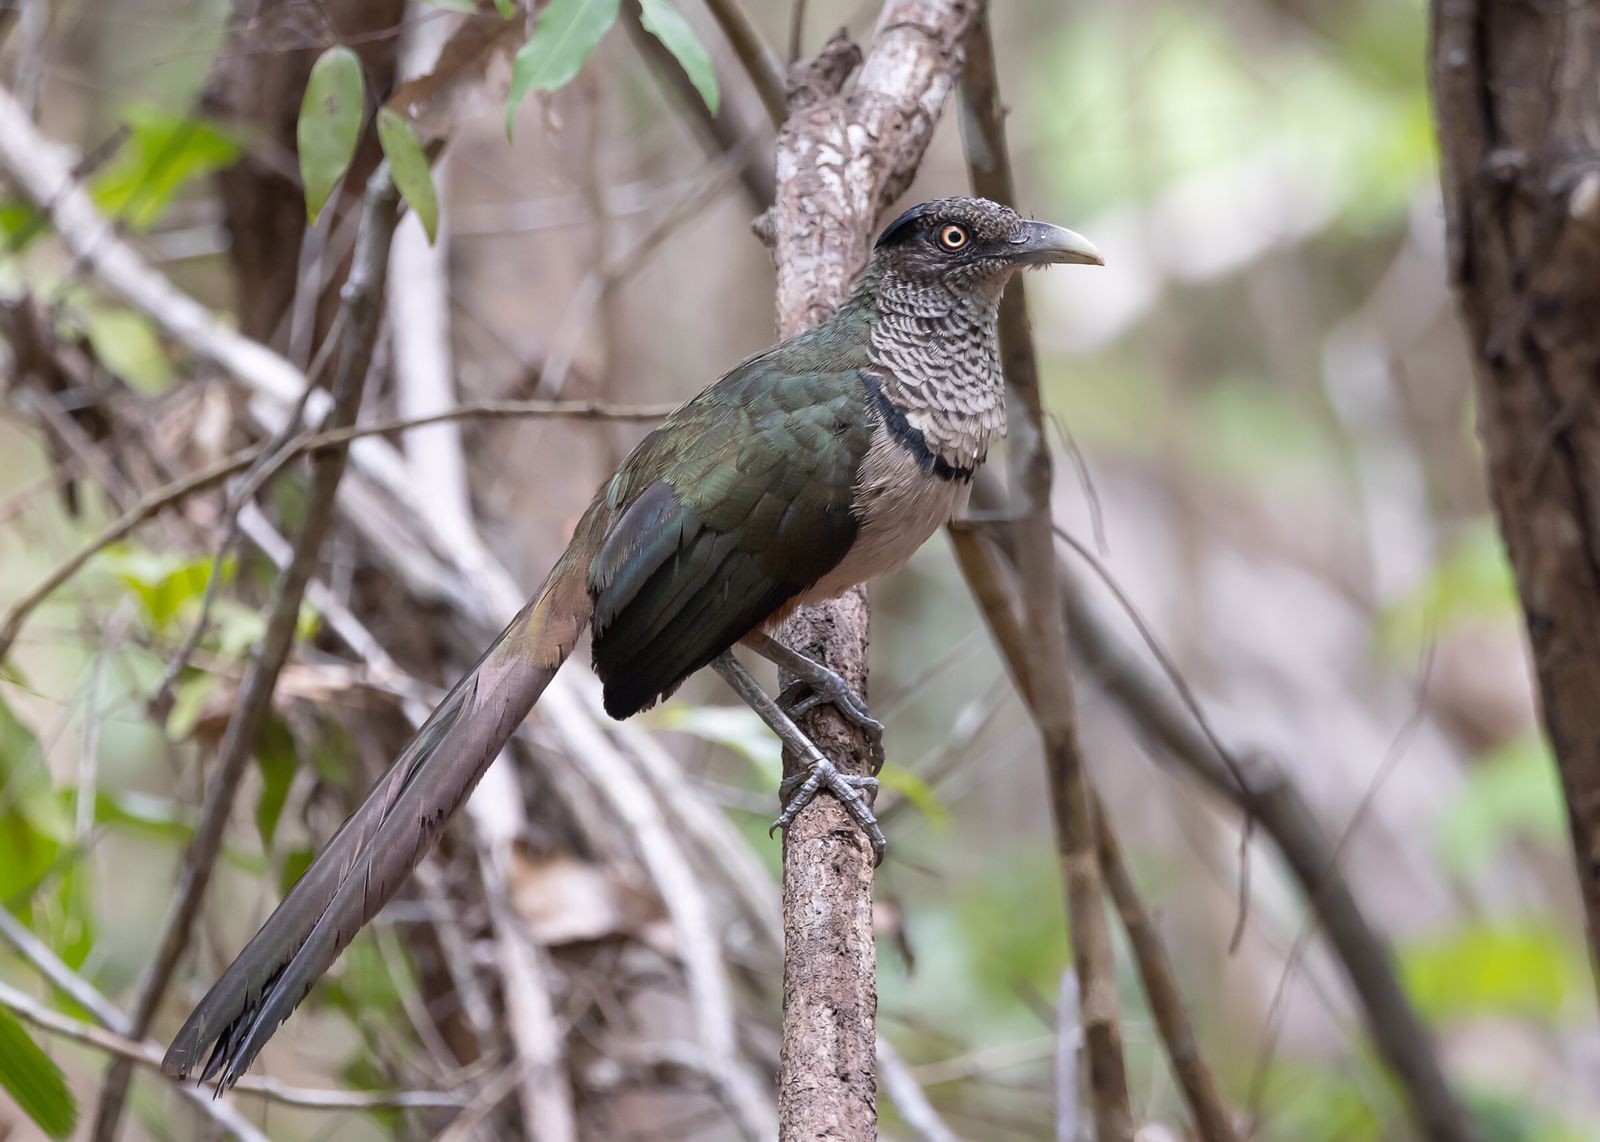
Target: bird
[{"x": 820, "y": 463}]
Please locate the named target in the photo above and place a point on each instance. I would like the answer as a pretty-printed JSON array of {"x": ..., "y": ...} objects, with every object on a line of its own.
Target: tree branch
[
  {"x": 1050, "y": 681},
  {"x": 985, "y": 575},
  {"x": 147, "y": 1055},
  {"x": 760, "y": 61},
  {"x": 165, "y": 496},
  {"x": 33, "y": 950},
  {"x": 1513, "y": 90},
  {"x": 840, "y": 160}
]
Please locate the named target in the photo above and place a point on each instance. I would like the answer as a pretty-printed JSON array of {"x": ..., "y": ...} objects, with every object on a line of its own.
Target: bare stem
[
  {"x": 165, "y": 496},
  {"x": 147, "y": 1055},
  {"x": 820, "y": 226},
  {"x": 1053, "y": 704},
  {"x": 757, "y": 56}
]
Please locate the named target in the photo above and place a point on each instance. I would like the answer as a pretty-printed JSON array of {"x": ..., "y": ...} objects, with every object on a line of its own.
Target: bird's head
[{"x": 973, "y": 242}]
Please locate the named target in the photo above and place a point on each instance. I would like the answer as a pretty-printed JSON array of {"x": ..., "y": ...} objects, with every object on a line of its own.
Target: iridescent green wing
[{"x": 739, "y": 502}]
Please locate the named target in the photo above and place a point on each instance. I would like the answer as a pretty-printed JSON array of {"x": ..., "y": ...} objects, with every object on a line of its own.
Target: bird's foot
[
  {"x": 817, "y": 686},
  {"x": 798, "y": 791}
]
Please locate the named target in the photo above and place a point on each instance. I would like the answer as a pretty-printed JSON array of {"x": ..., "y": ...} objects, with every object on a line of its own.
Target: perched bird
[{"x": 816, "y": 465}]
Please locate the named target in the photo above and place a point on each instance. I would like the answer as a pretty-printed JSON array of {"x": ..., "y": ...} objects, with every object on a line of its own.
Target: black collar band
[{"x": 910, "y": 437}]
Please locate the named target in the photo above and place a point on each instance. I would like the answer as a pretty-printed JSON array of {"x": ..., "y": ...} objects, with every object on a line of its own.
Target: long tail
[{"x": 376, "y": 849}]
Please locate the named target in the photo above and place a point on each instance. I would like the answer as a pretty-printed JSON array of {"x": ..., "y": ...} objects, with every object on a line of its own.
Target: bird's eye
[{"x": 953, "y": 237}]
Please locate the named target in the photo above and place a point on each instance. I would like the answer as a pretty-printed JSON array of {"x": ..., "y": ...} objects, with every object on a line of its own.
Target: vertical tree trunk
[
  {"x": 841, "y": 159},
  {"x": 1517, "y": 99}
]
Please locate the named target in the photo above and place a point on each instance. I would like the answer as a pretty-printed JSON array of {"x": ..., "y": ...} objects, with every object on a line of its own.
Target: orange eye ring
[{"x": 953, "y": 237}]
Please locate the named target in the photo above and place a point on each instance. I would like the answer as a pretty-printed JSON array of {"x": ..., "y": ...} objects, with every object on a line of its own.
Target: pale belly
[{"x": 907, "y": 505}]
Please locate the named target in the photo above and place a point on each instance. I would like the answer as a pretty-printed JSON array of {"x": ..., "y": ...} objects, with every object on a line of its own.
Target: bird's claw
[
  {"x": 798, "y": 791},
  {"x": 825, "y": 686}
]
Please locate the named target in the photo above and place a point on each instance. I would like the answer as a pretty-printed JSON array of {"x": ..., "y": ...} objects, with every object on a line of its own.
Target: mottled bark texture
[
  {"x": 1517, "y": 98},
  {"x": 842, "y": 158}
]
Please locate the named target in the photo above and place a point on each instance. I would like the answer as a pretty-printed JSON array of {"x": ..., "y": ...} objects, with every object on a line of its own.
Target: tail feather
[{"x": 376, "y": 849}]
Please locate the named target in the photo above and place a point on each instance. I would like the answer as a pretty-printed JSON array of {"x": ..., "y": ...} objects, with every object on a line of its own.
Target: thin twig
[
  {"x": 1211, "y": 1118},
  {"x": 840, "y": 163},
  {"x": 1196, "y": 711},
  {"x": 165, "y": 496},
  {"x": 276, "y": 453},
  {"x": 146, "y": 1054},
  {"x": 720, "y": 129},
  {"x": 760, "y": 61},
  {"x": 362, "y": 307},
  {"x": 985, "y": 574},
  {"x": 33, "y": 950},
  {"x": 424, "y": 382},
  {"x": 1050, "y": 682},
  {"x": 1269, "y": 796},
  {"x": 1398, "y": 747}
]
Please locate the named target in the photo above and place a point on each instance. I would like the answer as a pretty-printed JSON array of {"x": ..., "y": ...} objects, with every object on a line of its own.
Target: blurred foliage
[
  {"x": 160, "y": 155},
  {"x": 1118, "y": 108},
  {"x": 1470, "y": 582},
  {"x": 34, "y": 825},
  {"x": 33, "y": 1081},
  {"x": 1153, "y": 92},
  {"x": 1513, "y": 793},
  {"x": 1528, "y": 969}
]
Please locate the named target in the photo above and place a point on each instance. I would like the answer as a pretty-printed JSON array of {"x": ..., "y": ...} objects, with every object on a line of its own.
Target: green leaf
[
  {"x": 33, "y": 1080},
  {"x": 33, "y": 821},
  {"x": 168, "y": 586},
  {"x": 277, "y": 759},
  {"x": 567, "y": 31},
  {"x": 667, "y": 24},
  {"x": 126, "y": 343},
  {"x": 330, "y": 124},
  {"x": 162, "y": 153},
  {"x": 736, "y": 727},
  {"x": 506, "y": 8},
  {"x": 470, "y": 7},
  {"x": 917, "y": 791},
  {"x": 1517, "y": 968},
  {"x": 1514, "y": 791},
  {"x": 409, "y": 166}
]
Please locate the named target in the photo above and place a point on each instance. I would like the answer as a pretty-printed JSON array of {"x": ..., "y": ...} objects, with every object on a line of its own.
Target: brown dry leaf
[{"x": 564, "y": 900}]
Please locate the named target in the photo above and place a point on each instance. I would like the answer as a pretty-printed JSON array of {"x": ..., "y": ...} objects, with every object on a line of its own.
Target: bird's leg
[
  {"x": 797, "y": 791},
  {"x": 816, "y": 684}
]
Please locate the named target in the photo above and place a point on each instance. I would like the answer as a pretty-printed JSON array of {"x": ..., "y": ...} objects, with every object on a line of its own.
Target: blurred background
[{"x": 1268, "y": 408}]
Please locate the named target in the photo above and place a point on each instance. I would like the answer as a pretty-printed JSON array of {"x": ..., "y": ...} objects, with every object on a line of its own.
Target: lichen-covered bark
[
  {"x": 1517, "y": 97},
  {"x": 841, "y": 159}
]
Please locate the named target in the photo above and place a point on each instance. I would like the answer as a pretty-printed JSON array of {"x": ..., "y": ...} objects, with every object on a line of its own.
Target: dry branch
[
  {"x": 1269, "y": 797},
  {"x": 1053, "y": 704},
  {"x": 481, "y": 590},
  {"x": 147, "y": 1055},
  {"x": 220, "y": 1110},
  {"x": 1211, "y": 1118},
  {"x": 841, "y": 159},
  {"x": 362, "y": 300},
  {"x": 1517, "y": 119},
  {"x": 760, "y": 62},
  {"x": 986, "y": 576},
  {"x": 208, "y": 477}
]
